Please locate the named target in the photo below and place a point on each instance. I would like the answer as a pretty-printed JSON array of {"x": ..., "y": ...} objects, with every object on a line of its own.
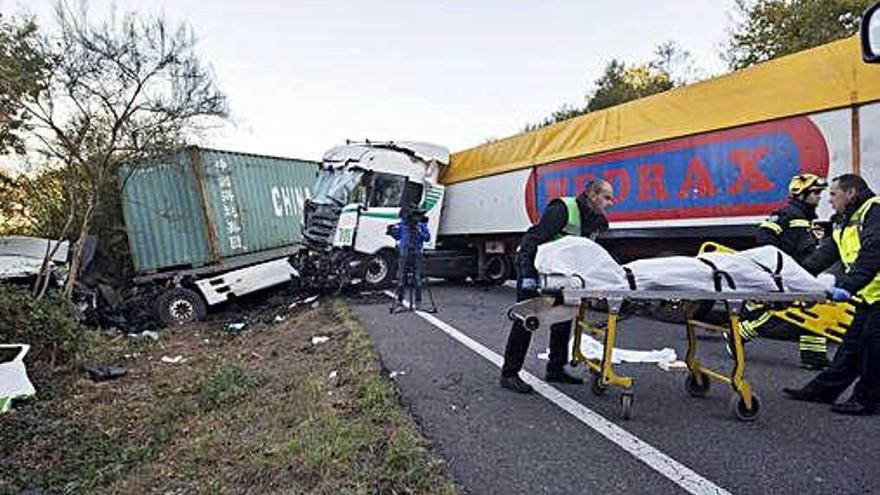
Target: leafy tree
[
  {"x": 768, "y": 29},
  {"x": 117, "y": 92},
  {"x": 671, "y": 67},
  {"x": 23, "y": 69}
]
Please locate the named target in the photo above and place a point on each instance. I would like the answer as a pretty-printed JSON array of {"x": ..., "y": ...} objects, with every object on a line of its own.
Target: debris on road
[{"x": 319, "y": 339}]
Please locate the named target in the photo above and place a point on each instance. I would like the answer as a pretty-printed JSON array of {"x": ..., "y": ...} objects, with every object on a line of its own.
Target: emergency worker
[
  {"x": 790, "y": 229},
  {"x": 584, "y": 216},
  {"x": 856, "y": 236}
]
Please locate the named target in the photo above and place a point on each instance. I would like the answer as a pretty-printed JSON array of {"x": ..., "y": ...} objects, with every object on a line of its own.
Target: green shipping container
[{"x": 203, "y": 207}]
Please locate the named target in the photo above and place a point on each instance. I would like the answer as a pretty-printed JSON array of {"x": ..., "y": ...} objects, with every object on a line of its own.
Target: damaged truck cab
[{"x": 358, "y": 193}]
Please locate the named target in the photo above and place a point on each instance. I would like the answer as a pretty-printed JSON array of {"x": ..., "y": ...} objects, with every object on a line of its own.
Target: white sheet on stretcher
[
  {"x": 582, "y": 257},
  {"x": 749, "y": 271}
]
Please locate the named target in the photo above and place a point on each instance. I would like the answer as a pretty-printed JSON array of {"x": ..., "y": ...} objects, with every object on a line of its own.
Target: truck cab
[{"x": 358, "y": 193}]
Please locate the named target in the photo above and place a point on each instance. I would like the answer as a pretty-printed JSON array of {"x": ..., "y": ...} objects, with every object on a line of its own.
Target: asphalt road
[{"x": 495, "y": 441}]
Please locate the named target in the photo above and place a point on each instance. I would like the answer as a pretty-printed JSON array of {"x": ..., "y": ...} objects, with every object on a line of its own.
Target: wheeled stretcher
[{"x": 566, "y": 297}]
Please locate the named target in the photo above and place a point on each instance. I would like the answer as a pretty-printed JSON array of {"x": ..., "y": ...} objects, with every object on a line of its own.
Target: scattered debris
[
  {"x": 316, "y": 304},
  {"x": 333, "y": 378},
  {"x": 103, "y": 372},
  {"x": 395, "y": 374},
  {"x": 310, "y": 299},
  {"x": 279, "y": 319},
  {"x": 320, "y": 339},
  {"x": 146, "y": 334},
  {"x": 235, "y": 326},
  {"x": 256, "y": 355},
  {"x": 173, "y": 360},
  {"x": 14, "y": 382},
  {"x": 673, "y": 366}
]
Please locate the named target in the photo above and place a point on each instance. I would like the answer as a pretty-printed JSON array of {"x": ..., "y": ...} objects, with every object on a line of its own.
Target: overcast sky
[{"x": 302, "y": 76}]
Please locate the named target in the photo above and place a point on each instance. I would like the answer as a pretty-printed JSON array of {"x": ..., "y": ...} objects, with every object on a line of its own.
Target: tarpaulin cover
[{"x": 823, "y": 78}]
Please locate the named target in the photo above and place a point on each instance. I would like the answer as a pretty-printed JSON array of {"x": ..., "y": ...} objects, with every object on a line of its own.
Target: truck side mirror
[{"x": 870, "y": 34}]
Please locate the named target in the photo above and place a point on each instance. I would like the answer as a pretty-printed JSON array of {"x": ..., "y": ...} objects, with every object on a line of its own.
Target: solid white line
[{"x": 673, "y": 470}]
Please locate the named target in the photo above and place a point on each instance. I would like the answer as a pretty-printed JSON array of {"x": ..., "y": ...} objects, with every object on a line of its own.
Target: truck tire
[
  {"x": 179, "y": 306},
  {"x": 379, "y": 271},
  {"x": 497, "y": 270}
]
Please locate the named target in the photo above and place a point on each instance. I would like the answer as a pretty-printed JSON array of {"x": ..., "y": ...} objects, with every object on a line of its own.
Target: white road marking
[{"x": 671, "y": 469}]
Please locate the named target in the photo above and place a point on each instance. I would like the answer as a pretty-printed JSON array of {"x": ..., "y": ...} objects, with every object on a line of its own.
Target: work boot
[
  {"x": 516, "y": 384},
  {"x": 806, "y": 395},
  {"x": 562, "y": 376},
  {"x": 853, "y": 407},
  {"x": 813, "y": 360}
]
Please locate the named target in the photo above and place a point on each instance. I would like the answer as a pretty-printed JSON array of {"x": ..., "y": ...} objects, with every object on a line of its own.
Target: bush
[{"x": 47, "y": 325}]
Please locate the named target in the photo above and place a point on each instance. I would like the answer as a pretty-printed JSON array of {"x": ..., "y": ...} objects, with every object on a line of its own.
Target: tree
[
  {"x": 671, "y": 66},
  {"x": 23, "y": 70},
  {"x": 117, "y": 93},
  {"x": 772, "y": 28}
]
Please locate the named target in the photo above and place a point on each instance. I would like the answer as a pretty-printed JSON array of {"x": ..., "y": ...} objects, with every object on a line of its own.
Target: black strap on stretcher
[
  {"x": 775, "y": 273},
  {"x": 719, "y": 276},
  {"x": 630, "y": 278}
]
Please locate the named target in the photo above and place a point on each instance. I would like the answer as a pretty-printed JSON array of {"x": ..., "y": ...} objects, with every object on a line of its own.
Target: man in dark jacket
[
  {"x": 583, "y": 216},
  {"x": 856, "y": 244},
  {"x": 790, "y": 229}
]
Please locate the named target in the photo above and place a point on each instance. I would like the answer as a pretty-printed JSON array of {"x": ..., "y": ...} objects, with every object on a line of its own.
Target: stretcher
[{"x": 566, "y": 298}]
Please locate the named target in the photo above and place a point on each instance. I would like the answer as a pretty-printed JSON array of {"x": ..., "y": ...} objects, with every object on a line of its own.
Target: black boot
[
  {"x": 561, "y": 376},
  {"x": 807, "y": 395},
  {"x": 516, "y": 384}
]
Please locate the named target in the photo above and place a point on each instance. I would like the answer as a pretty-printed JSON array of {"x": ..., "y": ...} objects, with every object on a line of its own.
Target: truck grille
[{"x": 320, "y": 224}]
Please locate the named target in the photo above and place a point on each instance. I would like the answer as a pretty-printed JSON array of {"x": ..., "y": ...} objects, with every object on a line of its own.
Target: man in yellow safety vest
[
  {"x": 856, "y": 244},
  {"x": 580, "y": 216}
]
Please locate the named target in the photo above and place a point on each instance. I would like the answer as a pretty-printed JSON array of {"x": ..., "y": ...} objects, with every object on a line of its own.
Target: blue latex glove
[
  {"x": 838, "y": 294},
  {"x": 529, "y": 284}
]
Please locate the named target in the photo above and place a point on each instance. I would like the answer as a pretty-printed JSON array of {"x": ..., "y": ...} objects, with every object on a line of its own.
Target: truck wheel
[
  {"x": 379, "y": 271},
  {"x": 179, "y": 306},
  {"x": 497, "y": 270}
]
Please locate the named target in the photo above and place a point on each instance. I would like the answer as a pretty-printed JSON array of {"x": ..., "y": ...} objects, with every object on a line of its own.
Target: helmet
[{"x": 802, "y": 183}]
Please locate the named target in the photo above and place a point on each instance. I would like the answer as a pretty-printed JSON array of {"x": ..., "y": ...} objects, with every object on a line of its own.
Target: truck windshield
[
  {"x": 336, "y": 186},
  {"x": 387, "y": 189}
]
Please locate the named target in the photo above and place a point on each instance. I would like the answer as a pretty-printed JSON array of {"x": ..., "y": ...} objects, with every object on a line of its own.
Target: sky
[{"x": 302, "y": 76}]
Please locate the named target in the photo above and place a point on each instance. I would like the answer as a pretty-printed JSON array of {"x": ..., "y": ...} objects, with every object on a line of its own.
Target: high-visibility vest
[
  {"x": 848, "y": 244},
  {"x": 573, "y": 224}
]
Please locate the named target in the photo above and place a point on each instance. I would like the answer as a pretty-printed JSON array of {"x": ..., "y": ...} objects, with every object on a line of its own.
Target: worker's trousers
[{"x": 857, "y": 358}]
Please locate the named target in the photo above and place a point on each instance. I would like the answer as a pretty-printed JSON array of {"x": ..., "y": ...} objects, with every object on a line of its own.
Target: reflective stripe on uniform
[
  {"x": 748, "y": 329},
  {"x": 813, "y": 343},
  {"x": 800, "y": 223},
  {"x": 775, "y": 227}
]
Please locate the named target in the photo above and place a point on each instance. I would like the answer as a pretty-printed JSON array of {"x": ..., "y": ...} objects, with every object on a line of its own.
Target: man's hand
[
  {"x": 838, "y": 294},
  {"x": 529, "y": 283}
]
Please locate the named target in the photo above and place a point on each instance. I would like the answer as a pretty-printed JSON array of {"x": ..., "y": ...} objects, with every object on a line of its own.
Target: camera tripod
[{"x": 411, "y": 292}]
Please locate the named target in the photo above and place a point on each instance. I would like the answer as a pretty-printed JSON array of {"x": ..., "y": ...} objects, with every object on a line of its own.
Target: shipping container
[{"x": 205, "y": 209}]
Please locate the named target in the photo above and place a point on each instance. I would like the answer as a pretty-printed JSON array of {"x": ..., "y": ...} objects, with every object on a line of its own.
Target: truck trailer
[
  {"x": 204, "y": 225},
  {"x": 705, "y": 161}
]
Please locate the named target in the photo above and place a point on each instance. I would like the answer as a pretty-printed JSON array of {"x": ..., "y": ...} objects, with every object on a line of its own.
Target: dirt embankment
[{"x": 290, "y": 406}]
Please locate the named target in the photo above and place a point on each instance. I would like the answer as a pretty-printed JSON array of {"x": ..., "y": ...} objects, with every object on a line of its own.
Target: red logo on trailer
[{"x": 736, "y": 172}]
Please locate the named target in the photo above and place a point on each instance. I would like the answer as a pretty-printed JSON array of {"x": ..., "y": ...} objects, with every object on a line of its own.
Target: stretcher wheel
[
  {"x": 695, "y": 387},
  {"x": 597, "y": 386},
  {"x": 626, "y": 405},
  {"x": 738, "y": 405}
]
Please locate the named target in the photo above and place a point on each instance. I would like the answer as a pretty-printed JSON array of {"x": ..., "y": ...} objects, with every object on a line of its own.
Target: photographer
[{"x": 410, "y": 233}]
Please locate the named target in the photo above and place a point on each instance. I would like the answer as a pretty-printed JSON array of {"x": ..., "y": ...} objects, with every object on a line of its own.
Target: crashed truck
[
  {"x": 706, "y": 161},
  {"x": 206, "y": 225}
]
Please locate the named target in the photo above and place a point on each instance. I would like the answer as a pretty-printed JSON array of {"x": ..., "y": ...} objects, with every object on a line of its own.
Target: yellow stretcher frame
[{"x": 745, "y": 404}]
